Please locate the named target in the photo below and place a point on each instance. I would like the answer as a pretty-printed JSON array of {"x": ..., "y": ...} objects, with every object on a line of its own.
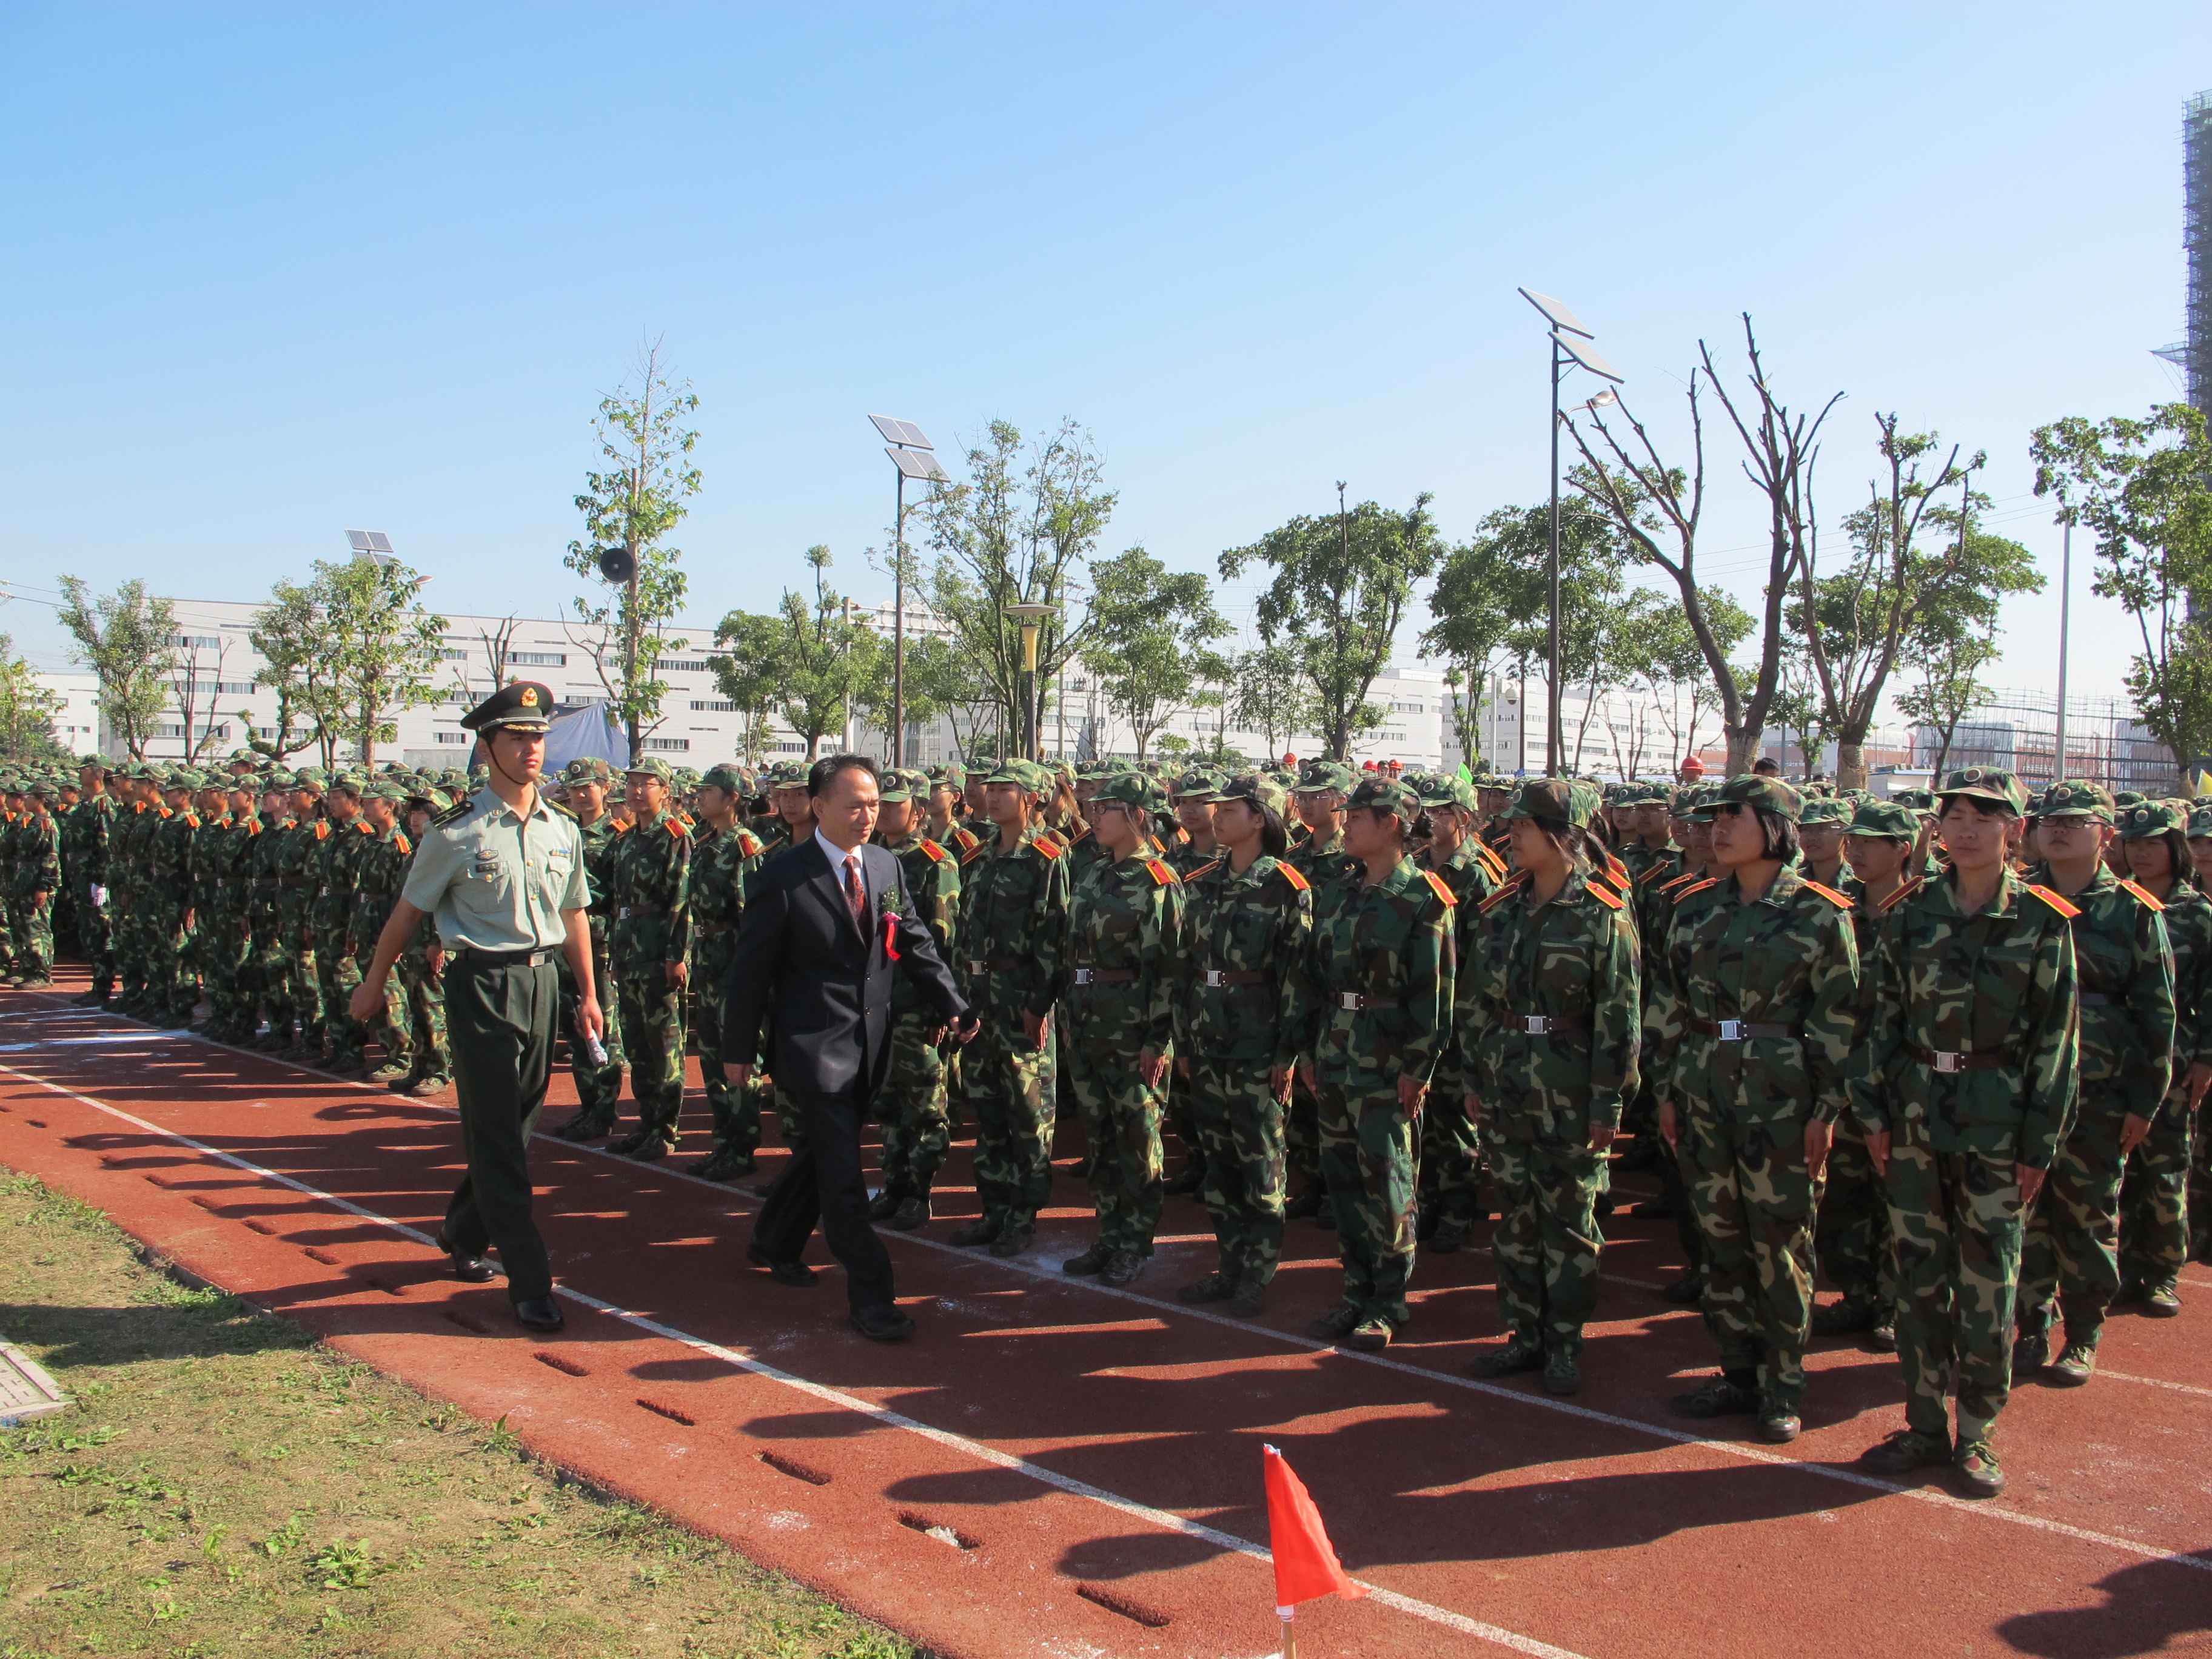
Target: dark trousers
[
  {"x": 824, "y": 1183},
  {"x": 500, "y": 1022}
]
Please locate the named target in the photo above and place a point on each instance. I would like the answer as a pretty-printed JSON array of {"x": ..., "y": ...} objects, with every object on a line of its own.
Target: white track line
[{"x": 1750, "y": 1454}]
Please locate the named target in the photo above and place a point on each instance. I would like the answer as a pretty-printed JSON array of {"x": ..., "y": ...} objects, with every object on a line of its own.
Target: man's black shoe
[
  {"x": 539, "y": 1314},
  {"x": 469, "y": 1266},
  {"x": 795, "y": 1273},
  {"x": 882, "y": 1324}
]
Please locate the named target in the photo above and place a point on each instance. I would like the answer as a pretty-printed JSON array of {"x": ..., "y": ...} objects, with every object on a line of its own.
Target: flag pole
[{"x": 1289, "y": 1635}]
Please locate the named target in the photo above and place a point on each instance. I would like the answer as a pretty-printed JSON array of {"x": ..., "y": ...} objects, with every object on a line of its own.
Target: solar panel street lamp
[
  {"x": 1031, "y": 617},
  {"x": 914, "y": 457},
  {"x": 1570, "y": 348}
]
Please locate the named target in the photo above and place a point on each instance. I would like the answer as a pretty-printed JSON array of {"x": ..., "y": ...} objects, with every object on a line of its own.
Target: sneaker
[
  {"x": 630, "y": 1142},
  {"x": 727, "y": 1163},
  {"x": 1335, "y": 1324},
  {"x": 1687, "y": 1291},
  {"x": 390, "y": 1070},
  {"x": 647, "y": 1148},
  {"x": 435, "y": 1083},
  {"x": 2162, "y": 1303},
  {"x": 1908, "y": 1449},
  {"x": 1517, "y": 1356},
  {"x": 1251, "y": 1300},
  {"x": 2030, "y": 1353},
  {"x": 1844, "y": 1318},
  {"x": 2076, "y": 1365},
  {"x": 1013, "y": 1239},
  {"x": 912, "y": 1212},
  {"x": 1978, "y": 1472},
  {"x": 1214, "y": 1287},
  {"x": 1777, "y": 1424},
  {"x": 1122, "y": 1268},
  {"x": 981, "y": 1231},
  {"x": 1563, "y": 1376},
  {"x": 1882, "y": 1339},
  {"x": 1092, "y": 1260},
  {"x": 1716, "y": 1397},
  {"x": 400, "y": 1085},
  {"x": 1369, "y": 1335}
]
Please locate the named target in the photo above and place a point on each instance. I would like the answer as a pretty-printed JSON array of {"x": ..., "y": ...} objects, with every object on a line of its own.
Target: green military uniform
[
  {"x": 165, "y": 898},
  {"x": 1974, "y": 1066},
  {"x": 1754, "y": 1022},
  {"x": 1451, "y": 1145},
  {"x": 225, "y": 938},
  {"x": 1549, "y": 1007},
  {"x": 420, "y": 980},
  {"x": 917, "y": 1133},
  {"x": 1375, "y": 1006},
  {"x": 1235, "y": 1027},
  {"x": 1013, "y": 926},
  {"x": 1321, "y": 858},
  {"x": 1116, "y": 991},
  {"x": 271, "y": 967},
  {"x": 127, "y": 851},
  {"x": 598, "y": 1083},
  {"x": 501, "y": 884},
  {"x": 722, "y": 865},
  {"x": 650, "y": 891},
  {"x": 337, "y": 869},
  {"x": 303, "y": 859},
  {"x": 87, "y": 829},
  {"x": 35, "y": 860},
  {"x": 380, "y": 861}
]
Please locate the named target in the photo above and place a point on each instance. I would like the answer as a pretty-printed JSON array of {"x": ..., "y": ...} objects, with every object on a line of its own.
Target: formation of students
[{"x": 1946, "y": 1049}]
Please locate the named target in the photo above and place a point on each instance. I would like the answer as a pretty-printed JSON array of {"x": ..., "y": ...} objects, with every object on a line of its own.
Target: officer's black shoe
[
  {"x": 1718, "y": 1396},
  {"x": 1092, "y": 1260},
  {"x": 469, "y": 1266},
  {"x": 882, "y": 1324},
  {"x": 797, "y": 1275},
  {"x": 912, "y": 1212},
  {"x": 539, "y": 1313},
  {"x": 1687, "y": 1291},
  {"x": 883, "y": 1206}
]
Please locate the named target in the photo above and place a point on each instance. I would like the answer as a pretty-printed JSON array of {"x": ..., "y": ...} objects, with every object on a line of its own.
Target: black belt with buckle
[
  {"x": 1104, "y": 975},
  {"x": 470, "y": 957},
  {"x": 1546, "y": 1025},
  {"x": 1738, "y": 1030}
]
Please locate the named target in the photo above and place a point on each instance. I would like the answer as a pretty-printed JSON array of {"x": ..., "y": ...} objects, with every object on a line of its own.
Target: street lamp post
[
  {"x": 1031, "y": 617},
  {"x": 914, "y": 457}
]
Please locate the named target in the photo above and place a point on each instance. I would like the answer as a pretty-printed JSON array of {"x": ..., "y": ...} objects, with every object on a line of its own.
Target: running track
[{"x": 1057, "y": 1469}]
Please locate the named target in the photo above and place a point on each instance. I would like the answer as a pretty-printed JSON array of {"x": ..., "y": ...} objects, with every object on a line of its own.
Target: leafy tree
[
  {"x": 823, "y": 659},
  {"x": 746, "y": 670},
  {"x": 634, "y": 506},
  {"x": 2140, "y": 487},
  {"x": 1272, "y": 696},
  {"x": 941, "y": 678},
  {"x": 128, "y": 639},
  {"x": 287, "y": 632},
  {"x": 1150, "y": 627},
  {"x": 1675, "y": 675},
  {"x": 1950, "y": 686},
  {"x": 1340, "y": 588},
  {"x": 384, "y": 649},
  {"x": 27, "y": 710}
]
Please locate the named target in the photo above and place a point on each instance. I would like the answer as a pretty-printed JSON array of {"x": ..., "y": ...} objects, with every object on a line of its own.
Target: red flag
[{"x": 1305, "y": 1563}]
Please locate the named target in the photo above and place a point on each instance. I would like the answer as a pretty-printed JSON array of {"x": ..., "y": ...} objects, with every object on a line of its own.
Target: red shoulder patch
[
  {"x": 931, "y": 850},
  {"x": 1696, "y": 887},
  {"x": 253, "y": 826},
  {"x": 1682, "y": 880},
  {"x": 748, "y": 844},
  {"x": 1504, "y": 893},
  {"x": 1288, "y": 871},
  {"x": 191, "y": 820},
  {"x": 1437, "y": 885},
  {"x": 2148, "y": 897},
  {"x": 364, "y": 826},
  {"x": 1619, "y": 871},
  {"x": 1048, "y": 845},
  {"x": 2055, "y": 902},
  {"x": 399, "y": 840},
  {"x": 1205, "y": 869},
  {"x": 1161, "y": 874},
  {"x": 675, "y": 826},
  {"x": 1830, "y": 893},
  {"x": 1605, "y": 896},
  {"x": 975, "y": 851},
  {"x": 322, "y": 829},
  {"x": 1903, "y": 893}
]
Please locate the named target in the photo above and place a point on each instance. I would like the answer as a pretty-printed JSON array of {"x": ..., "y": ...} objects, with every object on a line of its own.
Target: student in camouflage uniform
[
  {"x": 270, "y": 968},
  {"x": 1549, "y": 1027},
  {"x": 1375, "y": 1008},
  {"x": 379, "y": 864},
  {"x": 1248, "y": 921},
  {"x": 421, "y": 968},
  {"x": 724, "y": 856},
  {"x": 1013, "y": 937},
  {"x": 1318, "y": 797},
  {"x": 337, "y": 868},
  {"x": 911, "y": 1103},
  {"x": 651, "y": 884},
  {"x": 35, "y": 858},
  {"x": 1116, "y": 984},
  {"x": 295, "y": 906},
  {"x": 2123, "y": 969},
  {"x": 166, "y": 897},
  {"x": 87, "y": 831},
  {"x": 1451, "y": 1145},
  {"x": 598, "y": 1088},
  {"x": 1972, "y": 1057},
  {"x": 1754, "y": 1022},
  {"x": 2154, "y": 1215},
  {"x": 1827, "y": 820},
  {"x": 226, "y": 947},
  {"x": 135, "y": 818}
]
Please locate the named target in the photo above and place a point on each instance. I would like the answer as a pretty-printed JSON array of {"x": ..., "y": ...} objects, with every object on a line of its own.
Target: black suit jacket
[{"x": 820, "y": 987}]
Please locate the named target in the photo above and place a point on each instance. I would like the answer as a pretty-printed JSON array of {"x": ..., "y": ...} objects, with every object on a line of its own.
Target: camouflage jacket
[
  {"x": 266, "y": 867},
  {"x": 1013, "y": 927},
  {"x": 1323, "y": 862},
  {"x": 1974, "y": 1036},
  {"x": 344, "y": 852},
  {"x": 1569, "y": 962},
  {"x": 35, "y": 855},
  {"x": 1185, "y": 856},
  {"x": 209, "y": 897},
  {"x": 2188, "y": 918},
  {"x": 1784, "y": 969},
  {"x": 599, "y": 838},
  {"x": 1236, "y": 997},
  {"x": 86, "y": 830},
  {"x": 1084, "y": 852},
  {"x": 932, "y": 876},
  {"x": 2123, "y": 973},
  {"x": 1375, "y": 986},
  {"x": 1124, "y": 917},
  {"x": 381, "y": 870},
  {"x": 128, "y": 845},
  {"x": 650, "y": 889},
  {"x": 168, "y": 861},
  {"x": 237, "y": 850},
  {"x": 330, "y": 895},
  {"x": 722, "y": 865}
]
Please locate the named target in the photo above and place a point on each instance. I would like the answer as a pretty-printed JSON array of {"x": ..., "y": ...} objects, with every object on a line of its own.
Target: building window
[
  {"x": 451, "y": 655},
  {"x": 197, "y": 641},
  {"x": 538, "y": 658},
  {"x": 711, "y": 705},
  {"x": 668, "y": 745},
  {"x": 791, "y": 749},
  {"x": 219, "y": 730},
  {"x": 672, "y": 665},
  {"x": 454, "y": 737}
]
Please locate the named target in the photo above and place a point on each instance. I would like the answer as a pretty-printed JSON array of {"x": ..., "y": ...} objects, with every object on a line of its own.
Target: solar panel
[
  {"x": 358, "y": 540},
  {"x": 916, "y": 464},
  {"x": 378, "y": 542},
  {"x": 1587, "y": 355},
  {"x": 905, "y": 432},
  {"x": 1555, "y": 313}
]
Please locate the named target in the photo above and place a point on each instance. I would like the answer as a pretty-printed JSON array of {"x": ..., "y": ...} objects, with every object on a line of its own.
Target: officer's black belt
[
  {"x": 1949, "y": 1063},
  {"x": 1736, "y": 1030},
  {"x": 1237, "y": 977},
  {"x": 1546, "y": 1025},
  {"x": 470, "y": 957},
  {"x": 2095, "y": 1000},
  {"x": 1104, "y": 975}
]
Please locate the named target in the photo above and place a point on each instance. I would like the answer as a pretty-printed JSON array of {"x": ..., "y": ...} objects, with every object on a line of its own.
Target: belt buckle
[
  {"x": 622, "y": 914},
  {"x": 1732, "y": 1030},
  {"x": 1083, "y": 976},
  {"x": 1350, "y": 1001},
  {"x": 1536, "y": 1024},
  {"x": 1949, "y": 1063},
  {"x": 977, "y": 967},
  {"x": 1215, "y": 978}
]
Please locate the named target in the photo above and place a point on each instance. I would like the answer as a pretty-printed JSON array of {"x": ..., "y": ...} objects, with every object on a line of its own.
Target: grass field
[{"x": 224, "y": 1486}]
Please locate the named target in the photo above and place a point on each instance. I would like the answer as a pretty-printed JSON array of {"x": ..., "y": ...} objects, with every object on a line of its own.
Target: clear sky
[{"x": 271, "y": 274}]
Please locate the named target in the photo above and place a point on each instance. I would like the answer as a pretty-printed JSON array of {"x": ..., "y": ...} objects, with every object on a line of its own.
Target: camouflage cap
[
  {"x": 2129, "y": 797},
  {"x": 787, "y": 775},
  {"x": 1886, "y": 819},
  {"x": 1555, "y": 800},
  {"x": 351, "y": 782},
  {"x": 1442, "y": 789},
  {"x": 385, "y": 789},
  {"x": 588, "y": 769},
  {"x": 1023, "y": 775},
  {"x": 2077, "y": 798},
  {"x": 901, "y": 783},
  {"x": 1199, "y": 784},
  {"x": 1698, "y": 802},
  {"x": 1830, "y": 811},
  {"x": 182, "y": 777},
  {"x": 651, "y": 766},
  {"x": 1316, "y": 775},
  {"x": 2200, "y": 821},
  {"x": 309, "y": 777},
  {"x": 1991, "y": 783},
  {"x": 1385, "y": 794},
  {"x": 728, "y": 777},
  {"x": 1261, "y": 789},
  {"x": 2151, "y": 818},
  {"x": 1130, "y": 789},
  {"x": 1918, "y": 800},
  {"x": 1763, "y": 794},
  {"x": 277, "y": 780}
]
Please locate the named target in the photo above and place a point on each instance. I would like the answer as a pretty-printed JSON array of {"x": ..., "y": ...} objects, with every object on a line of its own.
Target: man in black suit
[{"x": 826, "y": 924}]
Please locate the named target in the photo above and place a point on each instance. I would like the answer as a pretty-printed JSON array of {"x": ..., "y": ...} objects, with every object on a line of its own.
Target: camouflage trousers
[
  {"x": 1121, "y": 1123},
  {"x": 1010, "y": 1091},
  {"x": 736, "y": 1112},
  {"x": 2155, "y": 1207},
  {"x": 127, "y": 935},
  {"x": 1851, "y": 1239},
  {"x": 273, "y": 974},
  {"x": 31, "y": 928},
  {"x": 171, "y": 986},
  {"x": 1451, "y": 1159},
  {"x": 1547, "y": 1241},
  {"x": 1240, "y": 1124},
  {"x": 911, "y": 1105},
  {"x": 220, "y": 948},
  {"x": 1371, "y": 1159},
  {"x": 1954, "y": 1230},
  {"x": 1301, "y": 1136},
  {"x": 333, "y": 963},
  {"x": 2069, "y": 1261},
  {"x": 304, "y": 986},
  {"x": 2200, "y": 1192},
  {"x": 424, "y": 999},
  {"x": 95, "y": 938},
  {"x": 598, "y": 1088},
  {"x": 652, "y": 1023},
  {"x": 389, "y": 1027},
  {"x": 1754, "y": 1200}
]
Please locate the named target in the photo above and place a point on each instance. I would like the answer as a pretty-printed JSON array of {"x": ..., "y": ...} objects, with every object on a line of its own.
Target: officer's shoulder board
[
  {"x": 1698, "y": 886},
  {"x": 1161, "y": 874},
  {"x": 399, "y": 840},
  {"x": 1489, "y": 861},
  {"x": 1212, "y": 865},
  {"x": 933, "y": 851},
  {"x": 1289, "y": 872},
  {"x": 1605, "y": 895},
  {"x": 2149, "y": 899},
  {"x": 1839, "y": 900},
  {"x": 1504, "y": 893},
  {"x": 322, "y": 829},
  {"x": 2062, "y": 905},
  {"x": 1904, "y": 890},
  {"x": 454, "y": 813},
  {"x": 1048, "y": 844},
  {"x": 975, "y": 850},
  {"x": 749, "y": 845},
  {"x": 1438, "y": 886}
]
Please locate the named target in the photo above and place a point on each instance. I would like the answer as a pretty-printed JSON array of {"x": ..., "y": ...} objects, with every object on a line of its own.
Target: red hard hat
[{"x": 1693, "y": 766}]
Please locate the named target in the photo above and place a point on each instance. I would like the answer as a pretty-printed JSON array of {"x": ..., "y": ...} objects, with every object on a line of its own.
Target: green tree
[
  {"x": 1340, "y": 588},
  {"x": 746, "y": 670},
  {"x": 2140, "y": 487},
  {"x": 1272, "y": 696},
  {"x": 1150, "y": 628},
  {"x": 128, "y": 639},
  {"x": 941, "y": 678},
  {"x": 820, "y": 661},
  {"x": 1675, "y": 675},
  {"x": 27, "y": 710},
  {"x": 1950, "y": 686},
  {"x": 634, "y": 505},
  {"x": 295, "y": 664},
  {"x": 384, "y": 649}
]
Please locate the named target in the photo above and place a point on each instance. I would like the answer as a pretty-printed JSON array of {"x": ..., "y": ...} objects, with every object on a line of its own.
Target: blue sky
[{"x": 271, "y": 274}]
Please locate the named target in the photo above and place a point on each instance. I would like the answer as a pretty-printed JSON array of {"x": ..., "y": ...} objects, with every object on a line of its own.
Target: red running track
[{"x": 1056, "y": 1468}]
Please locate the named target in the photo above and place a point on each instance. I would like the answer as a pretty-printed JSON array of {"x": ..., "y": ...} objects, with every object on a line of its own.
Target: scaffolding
[
  {"x": 2196, "y": 244},
  {"x": 2107, "y": 743}
]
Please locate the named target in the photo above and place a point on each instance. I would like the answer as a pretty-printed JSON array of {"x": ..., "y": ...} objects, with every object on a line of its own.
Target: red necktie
[{"x": 855, "y": 894}]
